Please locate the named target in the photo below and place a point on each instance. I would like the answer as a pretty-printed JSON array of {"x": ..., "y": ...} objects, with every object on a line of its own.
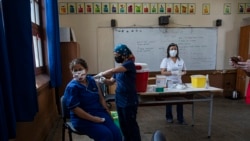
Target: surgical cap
[{"x": 122, "y": 49}]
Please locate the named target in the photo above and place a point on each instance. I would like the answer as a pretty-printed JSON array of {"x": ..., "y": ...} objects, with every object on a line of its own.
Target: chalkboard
[{"x": 197, "y": 46}]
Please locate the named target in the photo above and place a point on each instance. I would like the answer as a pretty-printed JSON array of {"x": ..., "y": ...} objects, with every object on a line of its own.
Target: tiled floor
[{"x": 230, "y": 122}]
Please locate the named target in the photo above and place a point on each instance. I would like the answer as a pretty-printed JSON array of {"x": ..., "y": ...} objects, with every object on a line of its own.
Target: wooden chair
[{"x": 66, "y": 123}]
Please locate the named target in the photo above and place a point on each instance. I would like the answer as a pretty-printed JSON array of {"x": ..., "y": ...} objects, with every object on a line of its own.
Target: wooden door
[
  {"x": 244, "y": 52},
  {"x": 69, "y": 51}
]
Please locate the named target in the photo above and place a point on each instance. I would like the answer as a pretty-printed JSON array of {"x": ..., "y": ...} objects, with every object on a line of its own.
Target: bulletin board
[{"x": 197, "y": 46}]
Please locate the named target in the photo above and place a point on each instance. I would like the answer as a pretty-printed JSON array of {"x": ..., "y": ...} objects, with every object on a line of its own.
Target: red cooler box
[{"x": 142, "y": 73}]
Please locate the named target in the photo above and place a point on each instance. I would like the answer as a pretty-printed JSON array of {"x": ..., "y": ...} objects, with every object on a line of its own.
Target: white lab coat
[{"x": 169, "y": 65}]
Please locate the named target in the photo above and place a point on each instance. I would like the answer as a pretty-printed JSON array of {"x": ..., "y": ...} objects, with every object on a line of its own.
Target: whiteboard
[{"x": 197, "y": 46}]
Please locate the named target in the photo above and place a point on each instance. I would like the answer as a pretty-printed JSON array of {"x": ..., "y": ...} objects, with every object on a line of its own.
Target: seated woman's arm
[
  {"x": 102, "y": 100},
  {"x": 82, "y": 114}
]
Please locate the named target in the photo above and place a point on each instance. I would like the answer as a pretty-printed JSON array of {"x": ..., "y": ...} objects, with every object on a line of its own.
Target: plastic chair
[
  {"x": 158, "y": 136},
  {"x": 66, "y": 123}
]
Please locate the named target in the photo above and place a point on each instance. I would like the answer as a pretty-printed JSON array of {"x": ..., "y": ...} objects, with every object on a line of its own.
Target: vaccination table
[{"x": 187, "y": 95}]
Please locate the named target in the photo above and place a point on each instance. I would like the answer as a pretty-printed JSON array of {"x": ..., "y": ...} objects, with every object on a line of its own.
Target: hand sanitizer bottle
[{"x": 207, "y": 82}]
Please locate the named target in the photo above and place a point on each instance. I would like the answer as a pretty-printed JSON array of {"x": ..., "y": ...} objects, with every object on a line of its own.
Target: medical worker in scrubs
[
  {"x": 124, "y": 75},
  {"x": 173, "y": 67},
  {"x": 88, "y": 110}
]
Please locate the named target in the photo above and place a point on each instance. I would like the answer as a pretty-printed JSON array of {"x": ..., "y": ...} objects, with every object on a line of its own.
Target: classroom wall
[{"x": 95, "y": 35}]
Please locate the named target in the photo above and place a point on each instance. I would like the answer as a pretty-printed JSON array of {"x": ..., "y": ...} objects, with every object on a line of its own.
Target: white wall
[{"x": 95, "y": 35}]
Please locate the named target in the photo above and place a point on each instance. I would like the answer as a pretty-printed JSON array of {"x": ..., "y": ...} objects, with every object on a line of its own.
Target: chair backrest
[
  {"x": 158, "y": 136},
  {"x": 65, "y": 111},
  {"x": 67, "y": 124}
]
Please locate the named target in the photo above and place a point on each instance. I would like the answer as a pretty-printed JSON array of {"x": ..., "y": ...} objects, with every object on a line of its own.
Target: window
[{"x": 37, "y": 14}]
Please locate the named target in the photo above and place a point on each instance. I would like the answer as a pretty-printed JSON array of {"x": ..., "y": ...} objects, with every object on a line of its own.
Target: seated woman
[{"x": 88, "y": 110}]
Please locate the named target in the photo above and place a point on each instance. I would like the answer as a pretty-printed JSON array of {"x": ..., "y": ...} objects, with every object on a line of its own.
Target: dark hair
[
  {"x": 78, "y": 61},
  {"x": 173, "y": 44}
]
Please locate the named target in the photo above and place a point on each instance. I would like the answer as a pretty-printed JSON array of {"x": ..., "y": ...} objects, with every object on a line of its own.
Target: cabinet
[
  {"x": 242, "y": 79},
  {"x": 69, "y": 51}
]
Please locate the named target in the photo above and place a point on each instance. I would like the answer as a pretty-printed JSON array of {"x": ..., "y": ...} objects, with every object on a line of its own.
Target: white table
[{"x": 189, "y": 95}]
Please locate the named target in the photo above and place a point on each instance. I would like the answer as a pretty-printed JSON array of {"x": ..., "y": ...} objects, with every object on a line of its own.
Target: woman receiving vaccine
[{"x": 89, "y": 113}]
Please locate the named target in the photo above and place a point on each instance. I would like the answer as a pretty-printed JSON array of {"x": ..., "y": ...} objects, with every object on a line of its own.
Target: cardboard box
[{"x": 67, "y": 34}]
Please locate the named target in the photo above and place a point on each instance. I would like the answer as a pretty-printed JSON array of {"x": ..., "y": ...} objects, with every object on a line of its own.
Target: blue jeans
[
  {"x": 128, "y": 123},
  {"x": 179, "y": 110}
]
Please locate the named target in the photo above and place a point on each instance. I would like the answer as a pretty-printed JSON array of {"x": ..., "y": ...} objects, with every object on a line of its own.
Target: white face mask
[
  {"x": 172, "y": 53},
  {"x": 79, "y": 75}
]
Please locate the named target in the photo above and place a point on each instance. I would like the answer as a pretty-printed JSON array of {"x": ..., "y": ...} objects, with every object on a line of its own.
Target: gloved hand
[
  {"x": 175, "y": 72},
  {"x": 102, "y": 79},
  {"x": 182, "y": 73},
  {"x": 244, "y": 65},
  {"x": 98, "y": 76}
]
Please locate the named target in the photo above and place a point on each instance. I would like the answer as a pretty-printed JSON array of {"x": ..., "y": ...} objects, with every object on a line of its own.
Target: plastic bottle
[{"x": 207, "y": 82}]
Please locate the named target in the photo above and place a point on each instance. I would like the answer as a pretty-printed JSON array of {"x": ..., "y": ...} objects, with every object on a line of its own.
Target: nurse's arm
[{"x": 112, "y": 71}]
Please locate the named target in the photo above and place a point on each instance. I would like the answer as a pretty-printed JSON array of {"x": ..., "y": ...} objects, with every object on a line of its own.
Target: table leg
[
  {"x": 210, "y": 115},
  {"x": 193, "y": 114}
]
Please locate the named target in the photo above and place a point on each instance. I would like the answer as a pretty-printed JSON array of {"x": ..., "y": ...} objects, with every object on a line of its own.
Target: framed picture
[
  {"x": 105, "y": 8},
  {"x": 138, "y": 8},
  {"x": 153, "y": 8},
  {"x": 80, "y": 8},
  {"x": 97, "y": 7},
  {"x": 130, "y": 8},
  {"x": 241, "y": 8},
  {"x": 184, "y": 8},
  {"x": 114, "y": 8},
  {"x": 71, "y": 8},
  {"x": 146, "y": 8},
  {"x": 161, "y": 8},
  {"x": 177, "y": 8},
  {"x": 247, "y": 8},
  {"x": 122, "y": 8},
  {"x": 88, "y": 6},
  {"x": 169, "y": 8},
  {"x": 227, "y": 8},
  {"x": 205, "y": 8},
  {"x": 62, "y": 7},
  {"x": 191, "y": 8}
]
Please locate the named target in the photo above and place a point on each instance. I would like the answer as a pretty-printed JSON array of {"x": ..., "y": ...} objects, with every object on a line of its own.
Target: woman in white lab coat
[{"x": 173, "y": 67}]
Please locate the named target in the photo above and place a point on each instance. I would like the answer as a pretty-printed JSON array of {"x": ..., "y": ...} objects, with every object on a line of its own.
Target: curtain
[
  {"x": 52, "y": 28},
  {"x": 7, "y": 120},
  {"x": 54, "y": 52},
  {"x": 18, "y": 97}
]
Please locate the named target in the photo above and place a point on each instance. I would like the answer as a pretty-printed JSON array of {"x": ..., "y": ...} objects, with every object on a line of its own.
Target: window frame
[{"x": 40, "y": 31}]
